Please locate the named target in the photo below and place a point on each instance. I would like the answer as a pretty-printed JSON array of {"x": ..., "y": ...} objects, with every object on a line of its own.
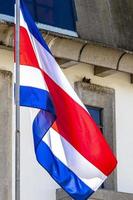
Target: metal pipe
[{"x": 17, "y": 86}]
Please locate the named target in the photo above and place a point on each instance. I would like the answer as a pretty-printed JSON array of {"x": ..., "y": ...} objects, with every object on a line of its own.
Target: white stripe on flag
[
  {"x": 32, "y": 77},
  {"x": 70, "y": 157}
]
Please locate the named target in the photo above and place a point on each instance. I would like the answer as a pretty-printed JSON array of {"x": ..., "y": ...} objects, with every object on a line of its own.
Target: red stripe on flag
[
  {"x": 27, "y": 54},
  {"x": 80, "y": 130}
]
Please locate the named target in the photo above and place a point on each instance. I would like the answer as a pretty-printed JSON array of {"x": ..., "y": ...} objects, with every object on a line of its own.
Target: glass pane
[
  {"x": 96, "y": 114},
  {"x": 7, "y": 7},
  {"x": 45, "y": 3},
  {"x": 45, "y": 14}
]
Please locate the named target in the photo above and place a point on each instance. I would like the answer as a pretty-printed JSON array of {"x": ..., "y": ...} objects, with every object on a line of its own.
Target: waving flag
[{"x": 67, "y": 142}]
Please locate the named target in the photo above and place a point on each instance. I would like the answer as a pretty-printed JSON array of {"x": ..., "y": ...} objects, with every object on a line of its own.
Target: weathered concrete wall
[
  {"x": 6, "y": 59},
  {"x": 106, "y": 21},
  {"x": 99, "y": 195},
  {"x": 5, "y": 135}
]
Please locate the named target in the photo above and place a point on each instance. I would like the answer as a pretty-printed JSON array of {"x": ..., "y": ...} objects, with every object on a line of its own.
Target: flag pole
[{"x": 17, "y": 86}]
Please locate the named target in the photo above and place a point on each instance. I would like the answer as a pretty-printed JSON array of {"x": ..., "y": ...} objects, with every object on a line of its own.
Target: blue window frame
[{"x": 55, "y": 13}]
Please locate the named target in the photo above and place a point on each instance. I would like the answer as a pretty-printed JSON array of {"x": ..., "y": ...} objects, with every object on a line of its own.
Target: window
[
  {"x": 100, "y": 102},
  {"x": 53, "y": 15},
  {"x": 96, "y": 114}
]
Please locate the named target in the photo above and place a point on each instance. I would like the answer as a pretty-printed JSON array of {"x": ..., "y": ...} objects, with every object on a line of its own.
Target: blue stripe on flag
[
  {"x": 32, "y": 26},
  {"x": 36, "y": 98},
  {"x": 41, "y": 124},
  {"x": 62, "y": 174}
]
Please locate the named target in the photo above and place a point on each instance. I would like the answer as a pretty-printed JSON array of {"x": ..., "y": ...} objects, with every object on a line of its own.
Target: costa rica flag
[{"x": 67, "y": 142}]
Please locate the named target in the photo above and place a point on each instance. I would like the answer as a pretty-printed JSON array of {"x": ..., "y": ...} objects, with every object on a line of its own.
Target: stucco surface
[
  {"x": 106, "y": 21},
  {"x": 5, "y": 135}
]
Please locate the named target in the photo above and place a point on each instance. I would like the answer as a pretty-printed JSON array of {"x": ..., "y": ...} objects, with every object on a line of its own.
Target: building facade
[{"x": 93, "y": 46}]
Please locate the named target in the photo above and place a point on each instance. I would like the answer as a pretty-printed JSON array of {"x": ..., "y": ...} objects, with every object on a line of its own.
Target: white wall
[
  {"x": 35, "y": 182},
  {"x": 124, "y": 118}
]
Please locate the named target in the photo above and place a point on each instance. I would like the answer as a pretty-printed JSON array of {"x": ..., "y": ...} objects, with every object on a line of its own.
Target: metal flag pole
[{"x": 17, "y": 86}]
